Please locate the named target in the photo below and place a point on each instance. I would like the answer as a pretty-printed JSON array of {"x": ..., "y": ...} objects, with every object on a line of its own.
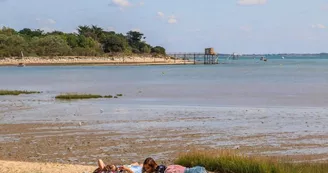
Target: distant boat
[
  {"x": 282, "y": 57},
  {"x": 263, "y": 59},
  {"x": 21, "y": 65},
  {"x": 235, "y": 56}
]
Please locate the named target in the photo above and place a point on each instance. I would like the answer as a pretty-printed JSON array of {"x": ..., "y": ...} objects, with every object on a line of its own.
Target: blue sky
[{"x": 243, "y": 26}]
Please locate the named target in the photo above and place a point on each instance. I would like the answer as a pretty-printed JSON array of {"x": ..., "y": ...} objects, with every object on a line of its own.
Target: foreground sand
[
  {"x": 74, "y": 60},
  {"x": 27, "y": 167}
]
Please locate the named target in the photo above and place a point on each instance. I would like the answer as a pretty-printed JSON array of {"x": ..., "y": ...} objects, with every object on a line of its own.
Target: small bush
[
  {"x": 17, "y": 92},
  {"x": 72, "y": 96},
  {"x": 77, "y": 96}
]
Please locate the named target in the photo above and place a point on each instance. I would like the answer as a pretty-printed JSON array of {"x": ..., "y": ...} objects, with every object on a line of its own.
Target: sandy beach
[
  {"x": 24, "y": 167},
  {"x": 74, "y": 60}
]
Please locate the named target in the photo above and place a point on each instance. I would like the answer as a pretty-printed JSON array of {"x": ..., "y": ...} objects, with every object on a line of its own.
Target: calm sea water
[{"x": 244, "y": 82}]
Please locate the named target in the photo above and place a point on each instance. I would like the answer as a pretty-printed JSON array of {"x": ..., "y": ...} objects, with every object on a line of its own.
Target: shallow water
[
  {"x": 241, "y": 83},
  {"x": 245, "y": 102}
]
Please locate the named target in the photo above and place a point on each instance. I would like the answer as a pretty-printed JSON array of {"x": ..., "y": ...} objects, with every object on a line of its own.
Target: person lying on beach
[
  {"x": 182, "y": 169},
  {"x": 132, "y": 168},
  {"x": 150, "y": 166}
]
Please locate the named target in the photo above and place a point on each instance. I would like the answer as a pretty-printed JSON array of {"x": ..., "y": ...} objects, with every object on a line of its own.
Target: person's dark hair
[
  {"x": 150, "y": 164},
  {"x": 160, "y": 169}
]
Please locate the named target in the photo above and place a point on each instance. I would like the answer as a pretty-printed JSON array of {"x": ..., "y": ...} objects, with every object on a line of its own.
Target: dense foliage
[{"x": 89, "y": 41}]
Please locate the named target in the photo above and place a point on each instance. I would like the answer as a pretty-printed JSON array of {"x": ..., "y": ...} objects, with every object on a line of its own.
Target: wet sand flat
[{"x": 125, "y": 134}]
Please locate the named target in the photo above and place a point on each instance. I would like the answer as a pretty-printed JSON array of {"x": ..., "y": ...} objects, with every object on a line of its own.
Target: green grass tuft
[
  {"x": 119, "y": 95},
  {"x": 17, "y": 92},
  {"x": 230, "y": 162},
  {"x": 71, "y": 96},
  {"x": 75, "y": 96}
]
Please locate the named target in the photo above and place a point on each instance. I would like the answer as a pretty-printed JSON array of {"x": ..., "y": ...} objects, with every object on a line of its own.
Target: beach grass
[
  {"x": 119, "y": 95},
  {"x": 231, "y": 162},
  {"x": 17, "y": 92},
  {"x": 75, "y": 96}
]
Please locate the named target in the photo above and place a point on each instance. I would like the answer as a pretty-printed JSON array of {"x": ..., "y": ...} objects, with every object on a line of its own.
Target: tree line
[{"x": 88, "y": 41}]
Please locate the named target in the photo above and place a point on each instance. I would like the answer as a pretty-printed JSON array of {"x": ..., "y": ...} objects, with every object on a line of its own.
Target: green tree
[
  {"x": 15, "y": 44},
  {"x": 134, "y": 38},
  {"x": 7, "y": 31},
  {"x": 80, "y": 51},
  {"x": 72, "y": 40},
  {"x": 51, "y": 45},
  {"x": 90, "y": 41},
  {"x": 115, "y": 43},
  {"x": 28, "y": 32},
  {"x": 94, "y": 31},
  {"x": 144, "y": 47},
  {"x": 3, "y": 39},
  {"x": 56, "y": 33},
  {"x": 97, "y": 32},
  {"x": 158, "y": 50},
  {"x": 86, "y": 46},
  {"x": 3, "y": 47},
  {"x": 84, "y": 30},
  {"x": 87, "y": 42}
]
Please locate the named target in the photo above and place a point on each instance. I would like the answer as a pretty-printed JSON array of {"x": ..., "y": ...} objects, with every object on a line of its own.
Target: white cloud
[
  {"x": 121, "y": 3},
  {"x": 47, "y": 25},
  {"x": 251, "y": 2},
  {"x": 51, "y": 21},
  {"x": 136, "y": 29},
  {"x": 160, "y": 14},
  {"x": 172, "y": 20},
  {"x": 319, "y": 26},
  {"x": 110, "y": 28},
  {"x": 47, "y": 29}
]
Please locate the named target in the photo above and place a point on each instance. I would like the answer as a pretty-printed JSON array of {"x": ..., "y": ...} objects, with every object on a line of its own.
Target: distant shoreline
[{"x": 97, "y": 61}]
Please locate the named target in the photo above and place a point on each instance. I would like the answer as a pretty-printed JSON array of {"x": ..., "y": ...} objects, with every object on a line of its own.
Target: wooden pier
[
  {"x": 197, "y": 58},
  {"x": 208, "y": 57}
]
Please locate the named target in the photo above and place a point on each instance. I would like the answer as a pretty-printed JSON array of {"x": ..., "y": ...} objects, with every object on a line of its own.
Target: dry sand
[
  {"x": 27, "y": 167},
  {"x": 74, "y": 60}
]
